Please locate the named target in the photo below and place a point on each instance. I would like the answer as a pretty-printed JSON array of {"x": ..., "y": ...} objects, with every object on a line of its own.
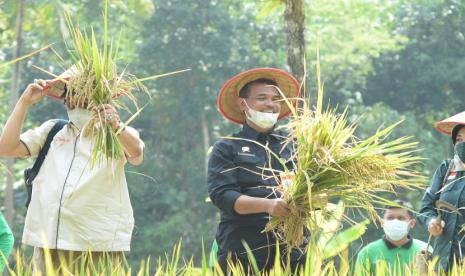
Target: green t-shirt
[
  {"x": 382, "y": 257},
  {"x": 6, "y": 241}
]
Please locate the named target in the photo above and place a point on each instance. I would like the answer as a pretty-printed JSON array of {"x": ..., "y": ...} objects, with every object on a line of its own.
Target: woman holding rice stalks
[
  {"x": 241, "y": 169},
  {"x": 442, "y": 207}
]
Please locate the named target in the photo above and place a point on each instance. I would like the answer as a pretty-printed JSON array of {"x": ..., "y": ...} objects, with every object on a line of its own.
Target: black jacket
[{"x": 241, "y": 166}]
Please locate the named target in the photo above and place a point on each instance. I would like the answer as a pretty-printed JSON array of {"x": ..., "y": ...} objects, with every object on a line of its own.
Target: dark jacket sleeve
[
  {"x": 223, "y": 188},
  {"x": 428, "y": 209}
]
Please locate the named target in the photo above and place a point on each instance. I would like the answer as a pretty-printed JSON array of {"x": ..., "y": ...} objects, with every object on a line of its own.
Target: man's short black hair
[
  {"x": 407, "y": 206},
  {"x": 245, "y": 90}
]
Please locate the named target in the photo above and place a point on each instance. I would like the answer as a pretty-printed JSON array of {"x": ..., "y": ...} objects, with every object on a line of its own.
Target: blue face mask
[{"x": 459, "y": 149}]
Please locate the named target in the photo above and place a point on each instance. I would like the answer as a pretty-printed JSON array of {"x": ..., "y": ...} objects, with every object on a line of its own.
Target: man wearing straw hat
[
  {"x": 242, "y": 172},
  {"x": 448, "y": 187},
  {"x": 74, "y": 208}
]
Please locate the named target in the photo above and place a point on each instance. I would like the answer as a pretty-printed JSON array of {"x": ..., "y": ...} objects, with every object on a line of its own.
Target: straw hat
[
  {"x": 228, "y": 97},
  {"x": 445, "y": 126}
]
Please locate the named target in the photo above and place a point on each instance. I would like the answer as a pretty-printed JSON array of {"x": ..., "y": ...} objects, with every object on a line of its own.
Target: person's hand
[
  {"x": 108, "y": 115},
  {"x": 278, "y": 208},
  {"x": 34, "y": 93},
  {"x": 435, "y": 227}
]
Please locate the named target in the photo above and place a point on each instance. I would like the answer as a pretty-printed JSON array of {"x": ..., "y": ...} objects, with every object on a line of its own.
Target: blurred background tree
[{"x": 385, "y": 60}]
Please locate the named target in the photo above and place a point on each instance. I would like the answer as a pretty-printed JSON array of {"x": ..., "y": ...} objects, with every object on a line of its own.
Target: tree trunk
[
  {"x": 206, "y": 140},
  {"x": 9, "y": 191},
  {"x": 294, "y": 15}
]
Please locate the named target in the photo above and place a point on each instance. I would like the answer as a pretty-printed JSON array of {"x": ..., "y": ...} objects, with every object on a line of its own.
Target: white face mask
[
  {"x": 262, "y": 119},
  {"x": 395, "y": 229},
  {"x": 79, "y": 116}
]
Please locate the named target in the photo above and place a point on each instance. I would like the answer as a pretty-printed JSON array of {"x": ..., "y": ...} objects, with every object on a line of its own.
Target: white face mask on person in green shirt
[{"x": 395, "y": 229}]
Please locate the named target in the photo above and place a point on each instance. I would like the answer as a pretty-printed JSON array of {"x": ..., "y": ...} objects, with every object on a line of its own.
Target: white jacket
[{"x": 74, "y": 207}]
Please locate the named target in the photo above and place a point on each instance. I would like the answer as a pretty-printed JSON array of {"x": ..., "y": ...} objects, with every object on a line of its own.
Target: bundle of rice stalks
[
  {"x": 333, "y": 164},
  {"x": 95, "y": 80}
]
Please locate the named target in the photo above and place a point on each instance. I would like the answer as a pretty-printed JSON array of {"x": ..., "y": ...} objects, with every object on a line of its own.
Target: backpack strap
[
  {"x": 31, "y": 173},
  {"x": 43, "y": 152}
]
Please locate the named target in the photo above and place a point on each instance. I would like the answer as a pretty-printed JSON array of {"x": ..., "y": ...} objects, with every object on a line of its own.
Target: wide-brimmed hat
[
  {"x": 56, "y": 88},
  {"x": 228, "y": 97},
  {"x": 445, "y": 126}
]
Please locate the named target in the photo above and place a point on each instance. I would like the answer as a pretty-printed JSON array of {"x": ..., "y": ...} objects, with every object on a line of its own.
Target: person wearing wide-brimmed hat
[
  {"x": 240, "y": 170},
  {"x": 74, "y": 208},
  {"x": 448, "y": 184}
]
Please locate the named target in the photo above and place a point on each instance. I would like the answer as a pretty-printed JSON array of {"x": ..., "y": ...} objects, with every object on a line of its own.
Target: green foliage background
[{"x": 401, "y": 60}]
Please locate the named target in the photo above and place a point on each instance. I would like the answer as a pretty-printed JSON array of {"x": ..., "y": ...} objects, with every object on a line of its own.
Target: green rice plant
[
  {"x": 95, "y": 80},
  {"x": 329, "y": 239},
  {"x": 175, "y": 264},
  {"x": 333, "y": 164},
  {"x": 85, "y": 265},
  {"x": 326, "y": 243}
]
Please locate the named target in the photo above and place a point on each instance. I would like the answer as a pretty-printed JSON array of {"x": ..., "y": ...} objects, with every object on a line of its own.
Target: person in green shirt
[
  {"x": 396, "y": 249},
  {"x": 6, "y": 242}
]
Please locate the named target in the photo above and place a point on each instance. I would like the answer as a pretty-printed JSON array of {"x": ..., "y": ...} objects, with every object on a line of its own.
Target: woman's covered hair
[{"x": 455, "y": 131}]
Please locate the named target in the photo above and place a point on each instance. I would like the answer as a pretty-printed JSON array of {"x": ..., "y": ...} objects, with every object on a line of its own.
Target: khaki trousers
[{"x": 66, "y": 262}]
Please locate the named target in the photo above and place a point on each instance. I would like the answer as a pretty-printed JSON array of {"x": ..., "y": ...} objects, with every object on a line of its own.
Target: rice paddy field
[
  {"x": 173, "y": 264},
  {"x": 389, "y": 61}
]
